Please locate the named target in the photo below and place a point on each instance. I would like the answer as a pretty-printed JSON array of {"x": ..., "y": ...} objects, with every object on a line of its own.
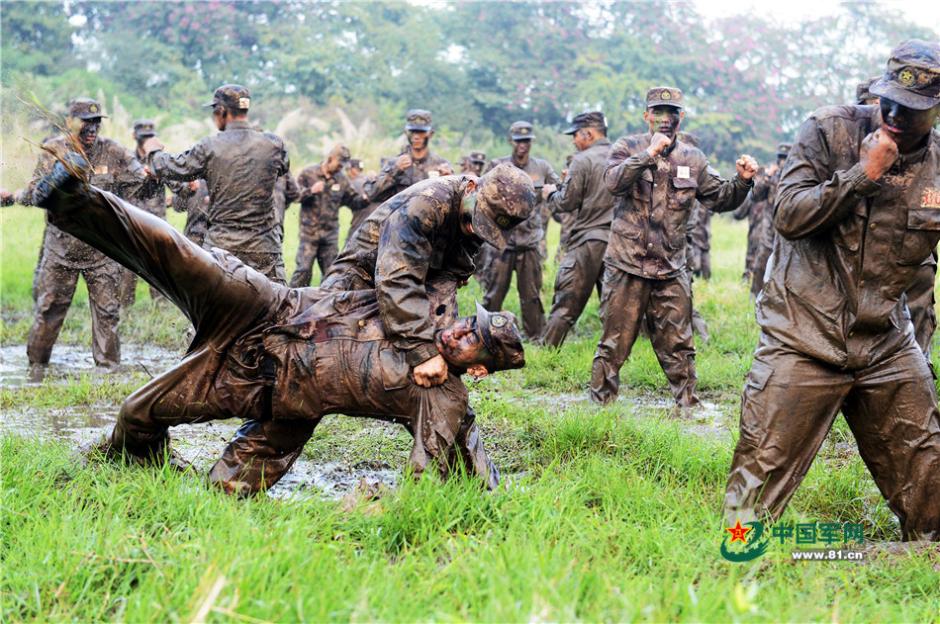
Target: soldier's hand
[
  {"x": 168, "y": 202},
  {"x": 432, "y": 372},
  {"x": 658, "y": 144},
  {"x": 151, "y": 144},
  {"x": 318, "y": 187},
  {"x": 547, "y": 190},
  {"x": 193, "y": 185},
  {"x": 746, "y": 166},
  {"x": 403, "y": 162},
  {"x": 878, "y": 153},
  {"x": 772, "y": 169}
]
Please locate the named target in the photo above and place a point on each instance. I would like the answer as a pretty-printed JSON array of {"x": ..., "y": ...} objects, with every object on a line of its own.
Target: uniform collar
[{"x": 238, "y": 125}]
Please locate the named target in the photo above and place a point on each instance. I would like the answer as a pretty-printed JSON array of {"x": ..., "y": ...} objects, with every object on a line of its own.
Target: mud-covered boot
[{"x": 65, "y": 176}]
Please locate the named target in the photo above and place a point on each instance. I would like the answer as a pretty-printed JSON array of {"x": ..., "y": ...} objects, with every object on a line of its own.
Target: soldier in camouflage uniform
[
  {"x": 192, "y": 198},
  {"x": 857, "y": 213},
  {"x": 241, "y": 166},
  {"x": 282, "y": 358},
  {"x": 658, "y": 178},
  {"x": 473, "y": 163},
  {"x": 64, "y": 258},
  {"x": 766, "y": 186},
  {"x": 585, "y": 196},
  {"x": 152, "y": 198},
  {"x": 323, "y": 189},
  {"x": 522, "y": 254}
]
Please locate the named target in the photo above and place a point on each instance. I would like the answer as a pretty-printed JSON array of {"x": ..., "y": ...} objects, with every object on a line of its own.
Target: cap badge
[
  {"x": 244, "y": 103},
  {"x": 906, "y": 77},
  {"x": 665, "y": 95},
  {"x": 498, "y": 320},
  {"x": 502, "y": 221},
  {"x": 93, "y": 108}
]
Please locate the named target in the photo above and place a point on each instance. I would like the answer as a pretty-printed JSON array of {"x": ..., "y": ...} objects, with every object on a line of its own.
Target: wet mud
[{"x": 74, "y": 360}]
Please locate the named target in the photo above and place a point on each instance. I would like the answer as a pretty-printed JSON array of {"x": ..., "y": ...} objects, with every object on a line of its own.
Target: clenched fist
[
  {"x": 658, "y": 144},
  {"x": 878, "y": 153},
  {"x": 746, "y": 166},
  {"x": 432, "y": 372},
  {"x": 403, "y": 162},
  {"x": 317, "y": 187}
]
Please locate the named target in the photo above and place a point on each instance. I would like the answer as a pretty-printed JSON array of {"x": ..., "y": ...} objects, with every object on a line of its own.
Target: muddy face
[
  {"x": 418, "y": 140},
  {"x": 461, "y": 344},
  {"x": 520, "y": 151},
  {"x": 663, "y": 119},
  {"x": 89, "y": 132},
  {"x": 908, "y": 127}
]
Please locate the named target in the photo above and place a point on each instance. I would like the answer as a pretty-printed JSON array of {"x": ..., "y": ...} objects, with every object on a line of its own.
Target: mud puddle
[{"x": 71, "y": 360}]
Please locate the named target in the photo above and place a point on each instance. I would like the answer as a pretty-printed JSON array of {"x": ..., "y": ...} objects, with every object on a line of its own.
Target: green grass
[{"x": 608, "y": 514}]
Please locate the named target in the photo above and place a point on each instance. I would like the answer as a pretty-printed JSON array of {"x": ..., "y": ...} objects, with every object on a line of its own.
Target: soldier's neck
[
  {"x": 419, "y": 154},
  {"x": 521, "y": 162}
]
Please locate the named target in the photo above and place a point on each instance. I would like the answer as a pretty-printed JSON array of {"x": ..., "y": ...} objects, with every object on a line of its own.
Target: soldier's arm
[
  {"x": 742, "y": 211},
  {"x": 189, "y": 165},
  {"x": 624, "y": 167},
  {"x": 811, "y": 197},
  {"x": 131, "y": 180},
  {"x": 401, "y": 269},
  {"x": 718, "y": 194},
  {"x": 570, "y": 196},
  {"x": 351, "y": 199},
  {"x": 385, "y": 180},
  {"x": 291, "y": 191}
]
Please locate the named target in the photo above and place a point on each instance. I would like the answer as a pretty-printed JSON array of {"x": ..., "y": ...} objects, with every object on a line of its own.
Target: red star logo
[{"x": 738, "y": 532}]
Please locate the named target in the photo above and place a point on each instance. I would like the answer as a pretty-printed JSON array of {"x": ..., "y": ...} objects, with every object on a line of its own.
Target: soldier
[
  {"x": 323, "y": 189},
  {"x": 192, "y": 198},
  {"x": 473, "y": 163},
  {"x": 765, "y": 227},
  {"x": 240, "y": 166},
  {"x": 585, "y": 196},
  {"x": 420, "y": 244},
  {"x": 281, "y": 358},
  {"x": 415, "y": 163},
  {"x": 863, "y": 95},
  {"x": 857, "y": 212},
  {"x": 64, "y": 257},
  {"x": 152, "y": 199},
  {"x": 658, "y": 177},
  {"x": 522, "y": 253}
]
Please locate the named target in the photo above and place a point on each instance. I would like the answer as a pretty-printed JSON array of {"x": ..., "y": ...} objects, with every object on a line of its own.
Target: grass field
[{"x": 608, "y": 514}]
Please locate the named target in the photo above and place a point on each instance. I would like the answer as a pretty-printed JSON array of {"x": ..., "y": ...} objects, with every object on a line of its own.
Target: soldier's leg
[
  {"x": 622, "y": 306},
  {"x": 261, "y": 452},
  {"x": 54, "y": 290},
  {"x": 529, "y": 283},
  {"x": 670, "y": 316},
  {"x": 920, "y": 301},
  {"x": 500, "y": 275},
  {"x": 580, "y": 271},
  {"x": 892, "y": 411},
  {"x": 303, "y": 261},
  {"x": 35, "y": 289},
  {"x": 103, "y": 288},
  {"x": 481, "y": 262},
  {"x": 787, "y": 408},
  {"x": 127, "y": 288},
  {"x": 327, "y": 252},
  {"x": 468, "y": 449},
  {"x": 706, "y": 264}
]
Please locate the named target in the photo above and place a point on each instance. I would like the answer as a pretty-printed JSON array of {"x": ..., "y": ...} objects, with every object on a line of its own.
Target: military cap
[
  {"x": 478, "y": 158},
  {"x": 85, "y": 108},
  {"x": 502, "y": 338},
  {"x": 912, "y": 76},
  {"x": 144, "y": 128},
  {"x": 418, "y": 120},
  {"x": 232, "y": 97},
  {"x": 589, "y": 119},
  {"x": 664, "y": 96},
  {"x": 354, "y": 163},
  {"x": 341, "y": 151},
  {"x": 506, "y": 198},
  {"x": 784, "y": 149},
  {"x": 862, "y": 92},
  {"x": 521, "y": 131}
]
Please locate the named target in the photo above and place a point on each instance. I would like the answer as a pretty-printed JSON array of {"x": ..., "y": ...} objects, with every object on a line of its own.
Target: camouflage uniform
[
  {"x": 286, "y": 192},
  {"x": 278, "y": 357},
  {"x": 585, "y": 196},
  {"x": 65, "y": 257},
  {"x": 835, "y": 331},
  {"x": 699, "y": 242},
  {"x": 645, "y": 265},
  {"x": 196, "y": 206},
  {"x": 765, "y": 186},
  {"x": 522, "y": 254},
  {"x": 241, "y": 166}
]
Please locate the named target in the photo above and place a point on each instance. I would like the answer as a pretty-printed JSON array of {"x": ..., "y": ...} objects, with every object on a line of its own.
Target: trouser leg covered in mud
[{"x": 578, "y": 275}]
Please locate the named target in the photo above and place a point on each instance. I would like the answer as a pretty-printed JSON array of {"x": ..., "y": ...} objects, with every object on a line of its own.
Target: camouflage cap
[
  {"x": 231, "y": 96},
  {"x": 862, "y": 91},
  {"x": 502, "y": 338},
  {"x": 521, "y": 131},
  {"x": 85, "y": 108},
  {"x": 912, "y": 77},
  {"x": 340, "y": 151},
  {"x": 506, "y": 198},
  {"x": 588, "y": 119},
  {"x": 784, "y": 149},
  {"x": 478, "y": 158},
  {"x": 144, "y": 128},
  {"x": 664, "y": 96},
  {"x": 418, "y": 120}
]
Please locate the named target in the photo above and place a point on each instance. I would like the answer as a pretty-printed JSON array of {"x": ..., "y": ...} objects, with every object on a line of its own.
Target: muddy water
[{"x": 72, "y": 360}]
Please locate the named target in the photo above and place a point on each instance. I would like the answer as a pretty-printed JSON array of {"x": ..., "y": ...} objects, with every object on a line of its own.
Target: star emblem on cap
[
  {"x": 666, "y": 95},
  {"x": 502, "y": 221},
  {"x": 498, "y": 320},
  {"x": 93, "y": 108},
  {"x": 906, "y": 77}
]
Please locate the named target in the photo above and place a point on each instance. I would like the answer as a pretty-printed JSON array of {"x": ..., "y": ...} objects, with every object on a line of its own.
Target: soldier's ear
[
  {"x": 681, "y": 115},
  {"x": 646, "y": 115},
  {"x": 477, "y": 371}
]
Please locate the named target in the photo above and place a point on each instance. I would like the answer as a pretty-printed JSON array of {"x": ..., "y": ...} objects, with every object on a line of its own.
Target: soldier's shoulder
[
  {"x": 437, "y": 159},
  {"x": 687, "y": 151},
  {"x": 111, "y": 145},
  {"x": 632, "y": 142},
  {"x": 55, "y": 142},
  {"x": 843, "y": 113},
  {"x": 273, "y": 138}
]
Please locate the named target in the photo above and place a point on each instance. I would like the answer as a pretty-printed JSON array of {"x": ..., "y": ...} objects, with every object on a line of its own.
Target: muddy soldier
[
  {"x": 323, "y": 189},
  {"x": 192, "y": 198},
  {"x": 523, "y": 254},
  {"x": 857, "y": 212},
  {"x": 583, "y": 195},
  {"x": 657, "y": 178},
  {"x": 420, "y": 245},
  {"x": 416, "y": 162},
  {"x": 764, "y": 228},
  {"x": 240, "y": 166},
  {"x": 473, "y": 163},
  {"x": 152, "y": 198},
  {"x": 64, "y": 257},
  {"x": 278, "y": 357}
]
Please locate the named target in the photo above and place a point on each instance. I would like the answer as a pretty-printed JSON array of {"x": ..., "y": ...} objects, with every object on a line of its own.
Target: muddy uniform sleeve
[
  {"x": 570, "y": 196},
  {"x": 189, "y": 165},
  {"x": 43, "y": 166},
  {"x": 307, "y": 178},
  {"x": 131, "y": 181},
  {"x": 352, "y": 199},
  {"x": 624, "y": 168},
  {"x": 811, "y": 197},
  {"x": 401, "y": 269},
  {"x": 718, "y": 194},
  {"x": 385, "y": 180},
  {"x": 291, "y": 191}
]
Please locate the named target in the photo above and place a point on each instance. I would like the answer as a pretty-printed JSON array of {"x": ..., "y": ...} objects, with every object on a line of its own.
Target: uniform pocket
[
  {"x": 921, "y": 235},
  {"x": 759, "y": 375},
  {"x": 395, "y": 369}
]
